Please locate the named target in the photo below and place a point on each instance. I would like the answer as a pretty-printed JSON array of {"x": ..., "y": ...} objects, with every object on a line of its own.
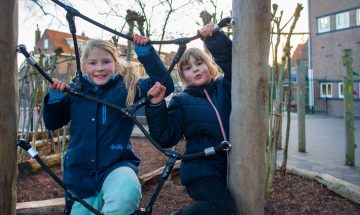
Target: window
[
  {"x": 341, "y": 90},
  {"x": 326, "y": 90},
  {"x": 358, "y": 16},
  {"x": 342, "y": 20},
  {"x": 70, "y": 42},
  {"x": 46, "y": 44},
  {"x": 324, "y": 24}
]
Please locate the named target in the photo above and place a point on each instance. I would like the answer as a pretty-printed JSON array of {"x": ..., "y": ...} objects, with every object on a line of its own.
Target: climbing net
[{"x": 128, "y": 111}]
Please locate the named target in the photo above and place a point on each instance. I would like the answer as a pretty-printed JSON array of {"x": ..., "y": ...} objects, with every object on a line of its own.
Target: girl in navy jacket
[
  {"x": 191, "y": 115},
  {"x": 100, "y": 164}
]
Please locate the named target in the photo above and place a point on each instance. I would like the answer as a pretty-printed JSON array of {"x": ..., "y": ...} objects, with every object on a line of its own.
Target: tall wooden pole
[
  {"x": 8, "y": 104},
  {"x": 348, "y": 108},
  {"x": 300, "y": 101},
  {"x": 248, "y": 128}
]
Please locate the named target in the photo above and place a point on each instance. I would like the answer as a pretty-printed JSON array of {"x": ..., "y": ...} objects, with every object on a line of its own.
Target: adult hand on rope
[{"x": 157, "y": 93}]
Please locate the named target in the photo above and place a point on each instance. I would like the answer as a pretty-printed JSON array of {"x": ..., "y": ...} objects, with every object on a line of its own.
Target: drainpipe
[{"x": 310, "y": 68}]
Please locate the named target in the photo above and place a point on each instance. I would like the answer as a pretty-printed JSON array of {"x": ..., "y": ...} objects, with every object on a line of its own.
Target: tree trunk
[
  {"x": 128, "y": 49},
  {"x": 8, "y": 104},
  {"x": 248, "y": 130},
  {"x": 300, "y": 104},
  {"x": 288, "y": 119}
]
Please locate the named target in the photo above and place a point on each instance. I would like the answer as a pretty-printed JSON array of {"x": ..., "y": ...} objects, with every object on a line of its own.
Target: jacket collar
[
  {"x": 89, "y": 85},
  {"x": 199, "y": 91}
]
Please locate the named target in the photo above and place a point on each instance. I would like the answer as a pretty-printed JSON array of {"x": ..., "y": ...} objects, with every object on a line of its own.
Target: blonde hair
[
  {"x": 197, "y": 54},
  {"x": 125, "y": 69}
]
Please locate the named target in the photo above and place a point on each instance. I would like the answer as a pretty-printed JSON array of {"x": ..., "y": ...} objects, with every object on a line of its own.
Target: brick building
[{"x": 334, "y": 26}]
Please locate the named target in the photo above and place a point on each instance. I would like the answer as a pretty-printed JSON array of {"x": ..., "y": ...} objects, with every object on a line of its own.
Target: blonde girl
[{"x": 100, "y": 164}]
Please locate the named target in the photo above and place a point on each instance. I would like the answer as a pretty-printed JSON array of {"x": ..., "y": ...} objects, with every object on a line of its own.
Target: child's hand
[
  {"x": 206, "y": 31},
  {"x": 58, "y": 85},
  {"x": 140, "y": 40},
  {"x": 157, "y": 92}
]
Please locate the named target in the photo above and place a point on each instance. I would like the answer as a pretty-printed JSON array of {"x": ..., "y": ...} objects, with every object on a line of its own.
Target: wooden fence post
[
  {"x": 348, "y": 108},
  {"x": 300, "y": 104}
]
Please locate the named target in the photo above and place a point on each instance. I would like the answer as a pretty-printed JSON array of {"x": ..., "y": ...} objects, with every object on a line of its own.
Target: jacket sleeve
[
  {"x": 220, "y": 47},
  {"x": 154, "y": 67},
  {"x": 56, "y": 114},
  {"x": 166, "y": 125}
]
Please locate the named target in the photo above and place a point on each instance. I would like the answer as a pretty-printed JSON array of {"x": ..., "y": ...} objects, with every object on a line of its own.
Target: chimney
[{"x": 37, "y": 35}]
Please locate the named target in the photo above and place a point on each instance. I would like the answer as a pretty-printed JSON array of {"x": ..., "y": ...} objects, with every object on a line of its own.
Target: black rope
[{"x": 73, "y": 195}]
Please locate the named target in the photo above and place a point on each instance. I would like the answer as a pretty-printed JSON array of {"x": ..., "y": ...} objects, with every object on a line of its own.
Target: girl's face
[
  {"x": 99, "y": 66},
  {"x": 196, "y": 73}
]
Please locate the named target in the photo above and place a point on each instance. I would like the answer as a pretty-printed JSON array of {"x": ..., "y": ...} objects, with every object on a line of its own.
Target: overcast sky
[{"x": 184, "y": 23}]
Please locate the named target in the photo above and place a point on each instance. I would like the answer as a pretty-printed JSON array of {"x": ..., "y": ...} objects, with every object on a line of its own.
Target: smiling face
[
  {"x": 99, "y": 66},
  {"x": 195, "y": 72}
]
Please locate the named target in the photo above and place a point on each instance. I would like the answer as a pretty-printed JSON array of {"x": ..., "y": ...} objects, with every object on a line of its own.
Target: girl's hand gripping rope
[
  {"x": 157, "y": 93},
  {"x": 58, "y": 85},
  {"x": 140, "y": 40}
]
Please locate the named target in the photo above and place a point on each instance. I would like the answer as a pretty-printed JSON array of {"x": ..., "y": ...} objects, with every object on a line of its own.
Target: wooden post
[
  {"x": 249, "y": 117},
  {"x": 348, "y": 108},
  {"x": 8, "y": 104},
  {"x": 300, "y": 103}
]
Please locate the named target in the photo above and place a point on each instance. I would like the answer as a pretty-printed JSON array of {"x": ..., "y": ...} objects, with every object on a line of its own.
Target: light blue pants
[{"x": 119, "y": 195}]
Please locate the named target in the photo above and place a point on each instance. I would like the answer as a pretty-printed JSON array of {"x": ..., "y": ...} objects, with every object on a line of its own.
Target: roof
[
  {"x": 300, "y": 53},
  {"x": 58, "y": 39}
]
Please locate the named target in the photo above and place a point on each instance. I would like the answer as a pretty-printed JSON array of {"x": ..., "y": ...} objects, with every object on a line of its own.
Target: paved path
[{"x": 325, "y": 147}]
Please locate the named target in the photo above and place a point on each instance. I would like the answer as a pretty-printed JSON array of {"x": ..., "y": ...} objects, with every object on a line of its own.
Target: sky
[{"x": 183, "y": 23}]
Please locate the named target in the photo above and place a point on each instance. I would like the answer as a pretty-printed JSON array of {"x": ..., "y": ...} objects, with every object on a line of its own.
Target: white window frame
[
  {"x": 70, "y": 42},
  {"x": 358, "y": 16},
  {"x": 342, "y": 20},
  {"x": 324, "y": 24},
  {"x": 341, "y": 90},
  {"x": 45, "y": 44},
  {"x": 328, "y": 90}
]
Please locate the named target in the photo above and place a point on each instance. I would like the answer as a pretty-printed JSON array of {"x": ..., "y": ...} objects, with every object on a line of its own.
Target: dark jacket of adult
[
  {"x": 190, "y": 115},
  {"x": 100, "y": 135}
]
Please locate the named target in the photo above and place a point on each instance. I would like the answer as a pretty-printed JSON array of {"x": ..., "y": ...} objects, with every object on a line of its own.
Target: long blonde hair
[
  {"x": 197, "y": 54},
  {"x": 124, "y": 69}
]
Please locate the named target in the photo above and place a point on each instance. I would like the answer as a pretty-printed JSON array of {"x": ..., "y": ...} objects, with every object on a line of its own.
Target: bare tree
[
  {"x": 9, "y": 105},
  {"x": 148, "y": 9},
  {"x": 171, "y": 8},
  {"x": 206, "y": 17},
  {"x": 286, "y": 52},
  {"x": 274, "y": 138}
]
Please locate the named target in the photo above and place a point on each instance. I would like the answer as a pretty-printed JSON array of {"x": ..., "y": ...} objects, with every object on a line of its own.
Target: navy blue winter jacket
[
  {"x": 190, "y": 115},
  {"x": 100, "y": 135}
]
